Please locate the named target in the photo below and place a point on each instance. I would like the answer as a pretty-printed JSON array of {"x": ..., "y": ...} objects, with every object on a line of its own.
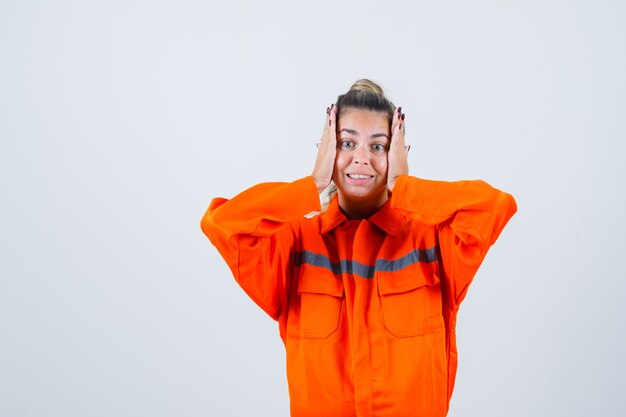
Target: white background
[{"x": 120, "y": 120}]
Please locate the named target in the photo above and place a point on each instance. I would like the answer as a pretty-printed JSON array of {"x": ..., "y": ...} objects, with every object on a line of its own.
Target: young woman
[{"x": 367, "y": 291}]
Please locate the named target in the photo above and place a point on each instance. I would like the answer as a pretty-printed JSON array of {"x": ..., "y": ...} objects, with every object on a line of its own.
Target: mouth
[{"x": 359, "y": 176}]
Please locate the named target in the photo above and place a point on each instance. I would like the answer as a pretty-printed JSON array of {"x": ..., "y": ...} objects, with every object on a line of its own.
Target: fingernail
[
  {"x": 332, "y": 105},
  {"x": 400, "y": 110},
  {"x": 408, "y": 148},
  {"x": 402, "y": 116},
  {"x": 327, "y": 110},
  {"x": 329, "y": 122}
]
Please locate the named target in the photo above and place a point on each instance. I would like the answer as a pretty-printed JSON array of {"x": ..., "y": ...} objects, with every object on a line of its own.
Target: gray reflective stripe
[
  {"x": 366, "y": 271},
  {"x": 316, "y": 259},
  {"x": 413, "y": 257},
  {"x": 357, "y": 268}
]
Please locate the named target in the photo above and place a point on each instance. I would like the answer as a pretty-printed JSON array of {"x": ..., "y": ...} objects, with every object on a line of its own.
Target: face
[{"x": 360, "y": 173}]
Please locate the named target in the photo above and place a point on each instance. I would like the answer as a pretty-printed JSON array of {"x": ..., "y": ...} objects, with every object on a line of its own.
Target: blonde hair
[
  {"x": 367, "y": 85},
  {"x": 367, "y": 95}
]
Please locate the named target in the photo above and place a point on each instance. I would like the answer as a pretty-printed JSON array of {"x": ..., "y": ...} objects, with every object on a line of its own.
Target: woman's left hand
[{"x": 397, "y": 158}]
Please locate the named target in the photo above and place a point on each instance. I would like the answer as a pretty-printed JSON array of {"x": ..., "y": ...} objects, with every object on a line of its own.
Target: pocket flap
[
  {"x": 398, "y": 283},
  {"x": 318, "y": 282}
]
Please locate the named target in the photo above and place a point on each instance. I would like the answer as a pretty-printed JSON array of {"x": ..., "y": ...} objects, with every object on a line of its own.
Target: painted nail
[
  {"x": 402, "y": 116},
  {"x": 332, "y": 106},
  {"x": 408, "y": 148},
  {"x": 400, "y": 110},
  {"x": 327, "y": 110},
  {"x": 329, "y": 122}
]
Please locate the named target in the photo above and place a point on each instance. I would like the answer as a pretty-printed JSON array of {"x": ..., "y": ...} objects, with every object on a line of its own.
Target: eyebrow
[{"x": 374, "y": 136}]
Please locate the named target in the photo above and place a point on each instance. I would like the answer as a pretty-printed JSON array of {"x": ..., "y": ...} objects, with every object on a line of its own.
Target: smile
[{"x": 359, "y": 176}]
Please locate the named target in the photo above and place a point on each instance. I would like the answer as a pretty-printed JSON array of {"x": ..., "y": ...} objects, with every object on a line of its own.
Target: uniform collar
[{"x": 386, "y": 218}]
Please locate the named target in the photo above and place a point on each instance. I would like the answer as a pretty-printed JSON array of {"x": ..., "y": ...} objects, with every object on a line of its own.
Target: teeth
[{"x": 358, "y": 176}]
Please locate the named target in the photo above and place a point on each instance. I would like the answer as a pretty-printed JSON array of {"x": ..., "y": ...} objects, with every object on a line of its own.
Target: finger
[
  {"x": 401, "y": 125},
  {"x": 401, "y": 120},
  {"x": 329, "y": 138},
  {"x": 395, "y": 119},
  {"x": 397, "y": 139},
  {"x": 332, "y": 115}
]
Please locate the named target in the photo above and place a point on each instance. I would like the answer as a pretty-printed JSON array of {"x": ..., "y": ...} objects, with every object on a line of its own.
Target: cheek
[
  {"x": 381, "y": 164},
  {"x": 336, "y": 166},
  {"x": 340, "y": 160}
]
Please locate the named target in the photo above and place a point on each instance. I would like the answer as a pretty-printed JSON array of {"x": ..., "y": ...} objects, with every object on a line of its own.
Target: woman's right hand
[{"x": 326, "y": 151}]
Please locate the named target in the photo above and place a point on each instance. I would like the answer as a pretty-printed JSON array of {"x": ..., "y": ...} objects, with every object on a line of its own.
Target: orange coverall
[{"x": 366, "y": 308}]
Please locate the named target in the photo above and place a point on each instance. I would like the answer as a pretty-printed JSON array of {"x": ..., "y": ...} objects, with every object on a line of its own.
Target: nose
[{"x": 361, "y": 156}]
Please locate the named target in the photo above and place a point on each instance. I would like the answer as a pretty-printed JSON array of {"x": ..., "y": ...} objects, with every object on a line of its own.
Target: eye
[
  {"x": 378, "y": 147},
  {"x": 347, "y": 144}
]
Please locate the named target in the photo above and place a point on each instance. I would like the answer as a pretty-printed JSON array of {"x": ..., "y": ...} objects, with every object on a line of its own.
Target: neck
[{"x": 359, "y": 210}]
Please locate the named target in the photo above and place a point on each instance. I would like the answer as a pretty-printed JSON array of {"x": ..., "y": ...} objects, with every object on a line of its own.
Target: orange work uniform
[{"x": 366, "y": 308}]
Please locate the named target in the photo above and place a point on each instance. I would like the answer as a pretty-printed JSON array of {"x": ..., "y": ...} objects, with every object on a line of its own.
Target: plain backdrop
[{"x": 120, "y": 120}]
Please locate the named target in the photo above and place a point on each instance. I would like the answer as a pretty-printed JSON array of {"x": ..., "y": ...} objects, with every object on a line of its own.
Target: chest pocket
[
  {"x": 321, "y": 301},
  {"x": 410, "y": 303}
]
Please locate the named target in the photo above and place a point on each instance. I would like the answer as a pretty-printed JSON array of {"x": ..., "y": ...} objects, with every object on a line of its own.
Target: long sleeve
[
  {"x": 469, "y": 215},
  {"x": 253, "y": 234}
]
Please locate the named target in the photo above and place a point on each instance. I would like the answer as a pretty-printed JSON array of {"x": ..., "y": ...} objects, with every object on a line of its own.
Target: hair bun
[
  {"x": 366, "y": 95},
  {"x": 366, "y": 85}
]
